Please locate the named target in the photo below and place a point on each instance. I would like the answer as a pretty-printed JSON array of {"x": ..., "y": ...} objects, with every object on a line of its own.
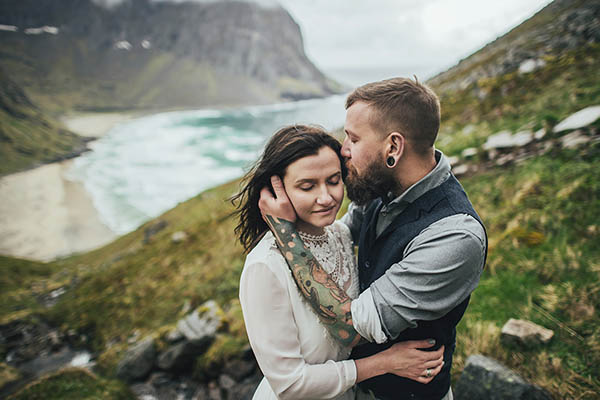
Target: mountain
[
  {"x": 27, "y": 135},
  {"x": 82, "y": 55}
]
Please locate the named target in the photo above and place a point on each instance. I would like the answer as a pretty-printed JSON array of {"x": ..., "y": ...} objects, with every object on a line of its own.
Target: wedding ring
[{"x": 428, "y": 373}]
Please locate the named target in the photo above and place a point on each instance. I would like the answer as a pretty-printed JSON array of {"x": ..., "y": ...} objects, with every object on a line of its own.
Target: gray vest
[{"x": 377, "y": 254}]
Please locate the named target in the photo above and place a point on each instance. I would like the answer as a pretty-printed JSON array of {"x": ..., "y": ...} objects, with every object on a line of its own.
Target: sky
[{"x": 402, "y": 37}]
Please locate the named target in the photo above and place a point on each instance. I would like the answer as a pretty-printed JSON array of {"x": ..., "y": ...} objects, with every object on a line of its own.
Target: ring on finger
[{"x": 428, "y": 373}]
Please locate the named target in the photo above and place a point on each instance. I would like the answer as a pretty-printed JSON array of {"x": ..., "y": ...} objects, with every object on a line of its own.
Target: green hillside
[{"x": 29, "y": 137}]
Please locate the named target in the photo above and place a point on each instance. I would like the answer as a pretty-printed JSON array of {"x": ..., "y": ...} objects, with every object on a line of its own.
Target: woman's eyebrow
[{"x": 303, "y": 180}]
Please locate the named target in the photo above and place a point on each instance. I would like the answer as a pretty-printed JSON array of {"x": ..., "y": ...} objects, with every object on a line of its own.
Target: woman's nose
[{"x": 325, "y": 198}]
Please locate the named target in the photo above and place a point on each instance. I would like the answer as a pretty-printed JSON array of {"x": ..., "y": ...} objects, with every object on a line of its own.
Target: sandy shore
[{"x": 43, "y": 215}]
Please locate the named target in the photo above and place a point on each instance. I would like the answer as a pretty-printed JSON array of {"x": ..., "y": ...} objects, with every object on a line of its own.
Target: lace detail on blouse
[{"x": 333, "y": 254}]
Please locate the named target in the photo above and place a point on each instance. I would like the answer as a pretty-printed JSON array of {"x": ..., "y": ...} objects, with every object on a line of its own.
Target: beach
[{"x": 44, "y": 215}]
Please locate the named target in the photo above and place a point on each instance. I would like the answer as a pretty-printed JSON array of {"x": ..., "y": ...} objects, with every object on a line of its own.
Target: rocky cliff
[{"x": 78, "y": 54}]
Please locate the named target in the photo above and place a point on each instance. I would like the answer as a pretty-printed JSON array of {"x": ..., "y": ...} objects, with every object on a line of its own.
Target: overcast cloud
[{"x": 425, "y": 35}]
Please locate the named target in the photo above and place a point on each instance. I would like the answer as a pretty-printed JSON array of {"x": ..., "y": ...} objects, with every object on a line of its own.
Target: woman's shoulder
[
  {"x": 342, "y": 230},
  {"x": 265, "y": 253}
]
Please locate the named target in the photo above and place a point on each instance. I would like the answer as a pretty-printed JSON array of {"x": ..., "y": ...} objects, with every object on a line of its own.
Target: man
[{"x": 421, "y": 244}]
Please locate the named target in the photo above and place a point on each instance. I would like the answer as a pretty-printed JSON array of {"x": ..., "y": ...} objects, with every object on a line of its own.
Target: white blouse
[{"x": 295, "y": 352}]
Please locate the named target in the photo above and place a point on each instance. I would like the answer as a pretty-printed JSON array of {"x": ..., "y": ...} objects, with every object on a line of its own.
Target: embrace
[{"x": 323, "y": 324}]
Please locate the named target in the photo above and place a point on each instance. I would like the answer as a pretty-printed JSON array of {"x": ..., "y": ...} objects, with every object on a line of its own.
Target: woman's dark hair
[{"x": 286, "y": 146}]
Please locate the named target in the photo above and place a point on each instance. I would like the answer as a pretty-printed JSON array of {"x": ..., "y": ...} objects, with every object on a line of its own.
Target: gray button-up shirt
[{"x": 440, "y": 268}]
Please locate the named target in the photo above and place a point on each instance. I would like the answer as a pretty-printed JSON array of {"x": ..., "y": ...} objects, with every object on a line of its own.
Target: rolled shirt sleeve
[
  {"x": 441, "y": 267},
  {"x": 273, "y": 335}
]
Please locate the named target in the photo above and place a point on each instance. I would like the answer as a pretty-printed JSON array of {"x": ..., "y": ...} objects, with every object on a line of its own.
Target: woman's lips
[{"x": 324, "y": 211}]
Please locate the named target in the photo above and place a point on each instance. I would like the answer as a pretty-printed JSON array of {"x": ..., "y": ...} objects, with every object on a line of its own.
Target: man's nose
[{"x": 346, "y": 148}]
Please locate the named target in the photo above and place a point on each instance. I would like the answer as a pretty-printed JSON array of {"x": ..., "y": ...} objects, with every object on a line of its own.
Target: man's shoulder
[{"x": 460, "y": 223}]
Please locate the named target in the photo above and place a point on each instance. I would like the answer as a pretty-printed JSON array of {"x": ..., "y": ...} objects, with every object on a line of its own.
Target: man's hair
[{"x": 402, "y": 105}]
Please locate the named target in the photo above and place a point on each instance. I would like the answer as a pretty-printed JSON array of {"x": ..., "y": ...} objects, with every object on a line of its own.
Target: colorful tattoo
[{"x": 330, "y": 302}]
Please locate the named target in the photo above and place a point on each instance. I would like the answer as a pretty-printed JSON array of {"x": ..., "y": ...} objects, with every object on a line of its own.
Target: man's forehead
[{"x": 360, "y": 118}]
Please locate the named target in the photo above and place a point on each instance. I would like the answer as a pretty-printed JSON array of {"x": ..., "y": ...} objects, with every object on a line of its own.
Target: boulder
[
  {"x": 181, "y": 356},
  {"x": 153, "y": 229},
  {"x": 574, "y": 139},
  {"x": 523, "y": 332},
  {"x": 469, "y": 152},
  {"x": 138, "y": 361},
  {"x": 239, "y": 369},
  {"x": 204, "y": 321},
  {"x": 505, "y": 139},
  {"x": 460, "y": 169},
  {"x": 485, "y": 378},
  {"x": 580, "y": 119},
  {"x": 178, "y": 237}
]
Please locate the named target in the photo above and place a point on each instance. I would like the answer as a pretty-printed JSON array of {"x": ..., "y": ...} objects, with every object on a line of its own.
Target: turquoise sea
[{"x": 146, "y": 166}]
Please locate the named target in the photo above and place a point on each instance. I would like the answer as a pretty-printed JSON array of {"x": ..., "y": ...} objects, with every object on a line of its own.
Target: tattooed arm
[{"x": 331, "y": 303}]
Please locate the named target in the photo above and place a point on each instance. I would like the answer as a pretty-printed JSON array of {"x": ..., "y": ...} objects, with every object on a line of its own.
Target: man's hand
[
  {"x": 278, "y": 206},
  {"x": 408, "y": 361}
]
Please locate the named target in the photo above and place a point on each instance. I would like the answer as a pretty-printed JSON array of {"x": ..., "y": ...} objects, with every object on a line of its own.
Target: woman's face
[{"x": 315, "y": 188}]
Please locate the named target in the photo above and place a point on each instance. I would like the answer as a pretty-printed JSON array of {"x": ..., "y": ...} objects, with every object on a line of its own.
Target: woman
[{"x": 294, "y": 350}]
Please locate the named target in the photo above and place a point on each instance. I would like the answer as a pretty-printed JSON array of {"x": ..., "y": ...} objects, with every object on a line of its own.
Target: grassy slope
[
  {"x": 566, "y": 84},
  {"x": 28, "y": 136}
]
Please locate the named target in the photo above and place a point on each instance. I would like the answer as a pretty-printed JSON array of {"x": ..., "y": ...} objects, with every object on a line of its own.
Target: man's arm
[
  {"x": 331, "y": 303},
  {"x": 441, "y": 267}
]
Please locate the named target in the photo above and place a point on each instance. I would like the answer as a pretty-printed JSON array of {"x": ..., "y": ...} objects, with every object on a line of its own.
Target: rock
[
  {"x": 574, "y": 139},
  {"x": 178, "y": 237},
  {"x": 138, "y": 361},
  {"x": 226, "y": 382},
  {"x": 181, "y": 356},
  {"x": 525, "y": 332},
  {"x": 485, "y": 378},
  {"x": 580, "y": 119},
  {"x": 174, "y": 336},
  {"x": 453, "y": 160},
  {"x": 469, "y": 152},
  {"x": 239, "y": 369},
  {"x": 504, "y": 140},
  {"x": 460, "y": 170},
  {"x": 214, "y": 392},
  {"x": 154, "y": 229},
  {"x": 531, "y": 65},
  {"x": 540, "y": 134},
  {"x": 204, "y": 321},
  {"x": 143, "y": 391}
]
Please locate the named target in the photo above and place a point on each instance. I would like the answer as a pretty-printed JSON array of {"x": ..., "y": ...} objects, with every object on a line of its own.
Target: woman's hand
[{"x": 404, "y": 359}]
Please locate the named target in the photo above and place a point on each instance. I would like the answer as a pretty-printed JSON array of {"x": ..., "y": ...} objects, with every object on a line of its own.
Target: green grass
[
  {"x": 544, "y": 265},
  {"x": 74, "y": 384}
]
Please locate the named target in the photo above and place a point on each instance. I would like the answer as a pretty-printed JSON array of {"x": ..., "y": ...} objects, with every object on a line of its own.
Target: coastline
[{"x": 44, "y": 215}]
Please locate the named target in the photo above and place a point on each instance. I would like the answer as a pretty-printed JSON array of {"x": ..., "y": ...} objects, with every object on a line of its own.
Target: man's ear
[{"x": 395, "y": 145}]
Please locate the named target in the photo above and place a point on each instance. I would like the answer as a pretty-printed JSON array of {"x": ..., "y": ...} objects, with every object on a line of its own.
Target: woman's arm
[{"x": 273, "y": 334}]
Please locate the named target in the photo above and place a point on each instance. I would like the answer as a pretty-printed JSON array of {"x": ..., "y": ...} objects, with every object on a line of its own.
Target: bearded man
[{"x": 421, "y": 245}]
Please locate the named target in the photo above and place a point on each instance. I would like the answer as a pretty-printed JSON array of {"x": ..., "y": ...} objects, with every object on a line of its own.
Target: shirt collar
[{"x": 434, "y": 178}]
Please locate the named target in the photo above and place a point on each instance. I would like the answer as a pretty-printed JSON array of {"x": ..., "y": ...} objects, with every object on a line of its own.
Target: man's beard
[{"x": 377, "y": 181}]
